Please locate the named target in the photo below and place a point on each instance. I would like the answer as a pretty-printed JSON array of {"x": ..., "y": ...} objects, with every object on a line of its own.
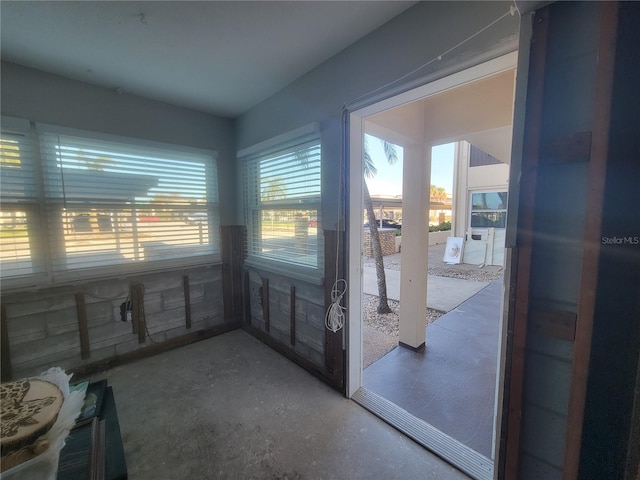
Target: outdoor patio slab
[
  {"x": 443, "y": 293},
  {"x": 451, "y": 384}
]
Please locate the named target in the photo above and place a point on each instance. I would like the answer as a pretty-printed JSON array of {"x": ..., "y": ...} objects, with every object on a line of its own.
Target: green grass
[{"x": 16, "y": 232}]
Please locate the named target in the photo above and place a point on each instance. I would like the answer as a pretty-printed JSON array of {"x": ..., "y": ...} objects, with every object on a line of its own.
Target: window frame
[
  {"x": 50, "y": 253},
  {"x": 498, "y": 210},
  {"x": 31, "y": 206},
  {"x": 253, "y": 206}
]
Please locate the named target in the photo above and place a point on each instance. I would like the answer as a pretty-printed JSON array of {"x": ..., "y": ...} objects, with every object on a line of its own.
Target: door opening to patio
[{"x": 430, "y": 367}]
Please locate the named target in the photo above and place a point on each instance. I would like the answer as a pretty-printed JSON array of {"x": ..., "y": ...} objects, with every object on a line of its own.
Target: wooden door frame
[
  {"x": 522, "y": 189},
  {"x": 521, "y": 255}
]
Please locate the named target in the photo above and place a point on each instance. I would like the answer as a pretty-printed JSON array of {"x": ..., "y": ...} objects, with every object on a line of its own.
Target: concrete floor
[
  {"x": 451, "y": 384},
  {"x": 230, "y": 407}
]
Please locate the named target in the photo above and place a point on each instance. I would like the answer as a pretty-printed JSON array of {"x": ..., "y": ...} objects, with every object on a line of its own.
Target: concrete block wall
[
  {"x": 43, "y": 325},
  {"x": 309, "y": 310},
  {"x": 387, "y": 241}
]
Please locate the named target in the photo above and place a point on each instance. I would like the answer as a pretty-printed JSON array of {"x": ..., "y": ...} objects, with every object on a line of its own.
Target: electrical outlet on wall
[{"x": 125, "y": 311}]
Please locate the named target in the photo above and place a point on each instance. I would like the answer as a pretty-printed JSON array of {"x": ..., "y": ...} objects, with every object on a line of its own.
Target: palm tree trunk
[{"x": 383, "y": 305}]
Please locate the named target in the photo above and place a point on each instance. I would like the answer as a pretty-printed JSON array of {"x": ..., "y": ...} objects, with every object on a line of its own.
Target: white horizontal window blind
[
  {"x": 19, "y": 195},
  {"x": 282, "y": 197},
  {"x": 84, "y": 205},
  {"x": 111, "y": 203}
]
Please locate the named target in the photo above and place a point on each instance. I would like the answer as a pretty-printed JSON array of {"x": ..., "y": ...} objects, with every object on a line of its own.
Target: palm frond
[
  {"x": 302, "y": 157},
  {"x": 369, "y": 167},
  {"x": 390, "y": 151}
]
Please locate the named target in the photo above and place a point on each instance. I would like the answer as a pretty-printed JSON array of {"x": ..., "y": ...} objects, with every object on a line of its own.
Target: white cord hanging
[
  {"x": 334, "y": 319},
  {"x": 512, "y": 11}
]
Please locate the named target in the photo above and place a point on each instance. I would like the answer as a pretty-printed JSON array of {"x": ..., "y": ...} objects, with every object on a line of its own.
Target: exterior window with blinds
[
  {"x": 75, "y": 206},
  {"x": 488, "y": 209},
  {"x": 19, "y": 194},
  {"x": 282, "y": 197}
]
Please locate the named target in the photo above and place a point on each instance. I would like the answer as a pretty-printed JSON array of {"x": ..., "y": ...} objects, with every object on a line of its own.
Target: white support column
[
  {"x": 415, "y": 244},
  {"x": 460, "y": 202}
]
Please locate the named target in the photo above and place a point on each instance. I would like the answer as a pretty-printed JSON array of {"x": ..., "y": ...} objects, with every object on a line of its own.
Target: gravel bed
[
  {"x": 389, "y": 323},
  {"x": 487, "y": 274},
  {"x": 380, "y": 331},
  {"x": 441, "y": 269}
]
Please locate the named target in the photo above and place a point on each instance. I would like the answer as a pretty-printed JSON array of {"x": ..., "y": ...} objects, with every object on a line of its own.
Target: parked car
[
  {"x": 196, "y": 218},
  {"x": 387, "y": 223}
]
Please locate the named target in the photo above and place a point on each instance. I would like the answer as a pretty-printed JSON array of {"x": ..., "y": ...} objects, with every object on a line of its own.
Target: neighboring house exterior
[
  {"x": 481, "y": 186},
  {"x": 477, "y": 209}
]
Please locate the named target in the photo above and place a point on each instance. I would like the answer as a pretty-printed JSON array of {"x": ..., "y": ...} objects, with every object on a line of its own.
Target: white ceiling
[
  {"x": 479, "y": 112},
  {"x": 217, "y": 57}
]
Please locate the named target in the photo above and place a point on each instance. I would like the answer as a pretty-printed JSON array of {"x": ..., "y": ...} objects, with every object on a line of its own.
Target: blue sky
[{"x": 388, "y": 181}]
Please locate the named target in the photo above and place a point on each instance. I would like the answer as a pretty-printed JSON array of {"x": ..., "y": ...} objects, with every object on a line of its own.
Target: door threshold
[{"x": 459, "y": 455}]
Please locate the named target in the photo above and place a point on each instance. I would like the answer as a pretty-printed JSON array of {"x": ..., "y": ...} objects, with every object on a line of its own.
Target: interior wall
[
  {"x": 47, "y": 98},
  {"x": 42, "y": 324},
  {"x": 406, "y": 42}
]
